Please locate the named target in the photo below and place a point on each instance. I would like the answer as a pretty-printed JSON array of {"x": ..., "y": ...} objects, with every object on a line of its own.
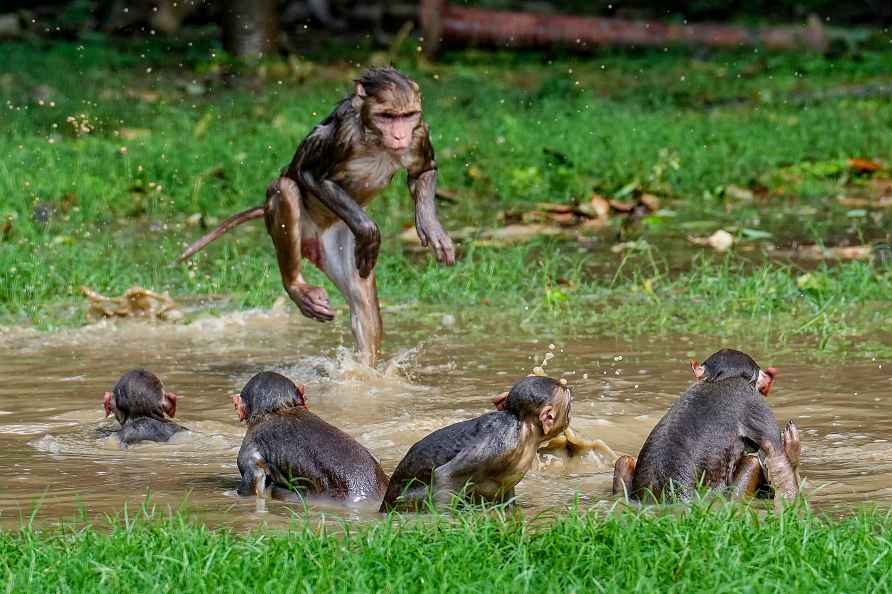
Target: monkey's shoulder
[
  {"x": 306, "y": 433},
  {"x": 444, "y": 444},
  {"x": 147, "y": 429}
]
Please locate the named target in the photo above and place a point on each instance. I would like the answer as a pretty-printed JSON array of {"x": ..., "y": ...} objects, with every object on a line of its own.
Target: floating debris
[
  {"x": 573, "y": 445},
  {"x": 136, "y": 302}
]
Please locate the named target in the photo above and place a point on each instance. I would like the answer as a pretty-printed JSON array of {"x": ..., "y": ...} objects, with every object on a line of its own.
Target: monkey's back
[
  {"x": 303, "y": 451},
  {"x": 441, "y": 446},
  {"x": 147, "y": 429},
  {"x": 702, "y": 435}
]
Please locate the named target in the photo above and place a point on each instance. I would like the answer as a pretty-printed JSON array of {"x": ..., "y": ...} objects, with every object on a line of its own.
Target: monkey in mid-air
[
  {"x": 715, "y": 435},
  {"x": 315, "y": 209},
  {"x": 482, "y": 459},
  {"x": 140, "y": 404}
]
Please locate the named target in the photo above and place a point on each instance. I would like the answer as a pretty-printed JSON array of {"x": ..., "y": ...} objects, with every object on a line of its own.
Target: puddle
[{"x": 55, "y": 450}]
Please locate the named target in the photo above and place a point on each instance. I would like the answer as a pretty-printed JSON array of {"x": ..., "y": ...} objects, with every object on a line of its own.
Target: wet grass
[
  {"x": 111, "y": 146},
  {"x": 719, "y": 549}
]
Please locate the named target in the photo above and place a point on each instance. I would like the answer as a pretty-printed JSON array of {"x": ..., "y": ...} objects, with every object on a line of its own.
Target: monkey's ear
[
  {"x": 500, "y": 401},
  {"x": 301, "y": 388},
  {"x": 169, "y": 404},
  {"x": 546, "y": 418},
  {"x": 415, "y": 86},
  {"x": 699, "y": 370},
  {"x": 765, "y": 380},
  {"x": 107, "y": 403},
  {"x": 360, "y": 90},
  {"x": 239, "y": 406}
]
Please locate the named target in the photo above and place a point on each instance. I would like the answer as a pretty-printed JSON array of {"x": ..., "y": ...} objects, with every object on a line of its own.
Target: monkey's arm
[
  {"x": 333, "y": 196},
  {"x": 761, "y": 428},
  {"x": 422, "y": 180},
  {"x": 451, "y": 478}
]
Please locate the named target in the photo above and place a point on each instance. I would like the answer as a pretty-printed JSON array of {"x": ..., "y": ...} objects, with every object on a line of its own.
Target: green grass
[
  {"x": 510, "y": 130},
  {"x": 722, "y": 548}
]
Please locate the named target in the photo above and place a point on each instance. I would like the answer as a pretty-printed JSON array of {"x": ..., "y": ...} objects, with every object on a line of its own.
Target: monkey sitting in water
[
  {"x": 710, "y": 436},
  {"x": 483, "y": 458},
  {"x": 140, "y": 403},
  {"x": 289, "y": 447}
]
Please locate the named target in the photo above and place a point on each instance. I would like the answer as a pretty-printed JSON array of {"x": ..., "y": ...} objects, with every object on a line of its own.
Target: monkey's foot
[
  {"x": 792, "y": 444},
  {"x": 623, "y": 473},
  {"x": 312, "y": 301}
]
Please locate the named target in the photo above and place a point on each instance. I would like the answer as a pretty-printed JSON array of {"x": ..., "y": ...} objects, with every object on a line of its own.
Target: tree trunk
[{"x": 250, "y": 27}]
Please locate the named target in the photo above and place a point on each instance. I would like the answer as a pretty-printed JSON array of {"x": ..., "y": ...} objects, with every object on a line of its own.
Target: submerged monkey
[
  {"x": 140, "y": 404},
  {"x": 288, "y": 447},
  {"x": 482, "y": 459},
  {"x": 720, "y": 434},
  {"x": 315, "y": 209}
]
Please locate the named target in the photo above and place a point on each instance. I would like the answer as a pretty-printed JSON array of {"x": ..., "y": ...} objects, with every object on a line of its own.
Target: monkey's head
[
  {"x": 266, "y": 393},
  {"x": 728, "y": 363},
  {"x": 542, "y": 398},
  {"x": 389, "y": 104},
  {"x": 139, "y": 393}
]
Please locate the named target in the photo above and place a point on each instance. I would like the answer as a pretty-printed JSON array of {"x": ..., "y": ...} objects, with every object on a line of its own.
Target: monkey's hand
[
  {"x": 368, "y": 240},
  {"x": 312, "y": 301},
  {"x": 431, "y": 233}
]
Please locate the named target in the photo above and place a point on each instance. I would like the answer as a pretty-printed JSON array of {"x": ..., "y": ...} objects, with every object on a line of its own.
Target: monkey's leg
[
  {"x": 623, "y": 473},
  {"x": 747, "y": 477},
  {"x": 780, "y": 472},
  {"x": 283, "y": 222},
  {"x": 338, "y": 257}
]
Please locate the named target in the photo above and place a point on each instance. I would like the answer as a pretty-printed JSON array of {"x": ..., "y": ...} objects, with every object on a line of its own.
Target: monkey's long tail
[{"x": 233, "y": 221}]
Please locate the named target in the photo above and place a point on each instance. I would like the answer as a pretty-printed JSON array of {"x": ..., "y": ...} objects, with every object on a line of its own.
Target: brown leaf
[
  {"x": 553, "y": 207},
  {"x": 816, "y": 252},
  {"x": 621, "y": 205},
  {"x": 135, "y": 302},
  {"x": 853, "y": 202},
  {"x": 650, "y": 201},
  {"x": 864, "y": 165},
  {"x": 720, "y": 241}
]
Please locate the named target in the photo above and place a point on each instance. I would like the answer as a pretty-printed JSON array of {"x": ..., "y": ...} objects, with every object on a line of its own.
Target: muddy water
[{"x": 55, "y": 455}]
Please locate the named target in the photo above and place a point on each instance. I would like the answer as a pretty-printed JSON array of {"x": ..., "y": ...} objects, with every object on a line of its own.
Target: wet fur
[
  {"x": 703, "y": 435},
  {"x": 483, "y": 458},
  {"x": 298, "y": 449},
  {"x": 147, "y": 429}
]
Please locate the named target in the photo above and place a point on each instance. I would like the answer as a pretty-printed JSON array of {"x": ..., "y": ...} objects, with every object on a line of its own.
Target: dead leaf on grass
[
  {"x": 136, "y": 302},
  {"x": 720, "y": 241},
  {"x": 817, "y": 252},
  {"x": 864, "y": 165}
]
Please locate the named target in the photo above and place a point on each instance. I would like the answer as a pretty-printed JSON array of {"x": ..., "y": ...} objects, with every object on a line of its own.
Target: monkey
[
  {"x": 482, "y": 459},
  {"x": 288, "y": 447},
  {"x": 140, "y": 404},
  {"x": 315, "y": 209},
  {"x": 720, "y": 433}
]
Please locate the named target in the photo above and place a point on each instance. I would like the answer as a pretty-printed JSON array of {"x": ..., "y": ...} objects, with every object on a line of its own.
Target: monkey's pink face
[{"x": 397, "y": 128}]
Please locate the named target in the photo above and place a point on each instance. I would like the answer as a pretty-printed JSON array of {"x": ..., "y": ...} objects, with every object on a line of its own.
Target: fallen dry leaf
[
  {"x": 864, "y": 165},
  {"x": 817, "y": 252},
  {"x": 135, "y": 302},
  {"x": 854, "y": 202},
  {"x": 720, "y": 241}
]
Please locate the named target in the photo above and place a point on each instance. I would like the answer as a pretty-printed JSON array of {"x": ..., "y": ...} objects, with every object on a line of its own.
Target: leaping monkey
[{"x": 316, "y": 208}]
